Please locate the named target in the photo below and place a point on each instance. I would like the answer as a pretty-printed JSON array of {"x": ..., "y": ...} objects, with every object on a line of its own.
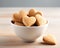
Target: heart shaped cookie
[
  {"x": 39, "y": 12},
  {"x": 22, "y": 13},
  {"x": 29, "y": 21},
  {"x": 49, "y": 39},
  {"x": 16, "y": 17},
  {"x": 40, "y": 20},
  {"x": 32, "y": 12}
]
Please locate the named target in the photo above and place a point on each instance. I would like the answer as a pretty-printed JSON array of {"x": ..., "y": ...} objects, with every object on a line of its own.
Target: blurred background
[
  {"x": 50, "y": 9},
  {"x": 29, "y": 3}
]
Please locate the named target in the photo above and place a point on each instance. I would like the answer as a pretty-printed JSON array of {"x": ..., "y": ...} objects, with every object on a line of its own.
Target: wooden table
[{"x": 8, "y": 38}]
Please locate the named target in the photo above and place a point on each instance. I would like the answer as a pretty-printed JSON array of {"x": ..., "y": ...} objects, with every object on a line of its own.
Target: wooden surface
[{"x": 8, "y": 38}]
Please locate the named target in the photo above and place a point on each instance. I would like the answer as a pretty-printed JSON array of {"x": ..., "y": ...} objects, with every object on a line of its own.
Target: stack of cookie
[{"x": 32, "y": 18}]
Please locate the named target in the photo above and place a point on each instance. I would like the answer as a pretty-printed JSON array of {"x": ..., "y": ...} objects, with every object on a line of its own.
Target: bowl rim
[{"x": 31, "y": 26}]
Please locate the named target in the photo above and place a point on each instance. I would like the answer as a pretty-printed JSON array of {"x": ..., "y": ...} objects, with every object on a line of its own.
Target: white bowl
[{"x": 29, "y": 33}]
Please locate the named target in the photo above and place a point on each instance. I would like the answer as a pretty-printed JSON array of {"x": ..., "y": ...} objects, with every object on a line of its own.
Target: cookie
[
  {"x": 49, "y": 39},
  {"x": 32, "y": 12},
  {"x": 16, "y": 17},
  {"x": 40, "y": 20},
  {"x": 29, "y": 21},
  {"x": 22, "y": 13},
  {"x": 39, "y": 12},
  {"x": 19, "y": 24}
]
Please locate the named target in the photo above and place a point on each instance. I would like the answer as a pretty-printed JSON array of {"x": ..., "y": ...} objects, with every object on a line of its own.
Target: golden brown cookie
[
  {"x": 29, "y": 21},
  {"x": 19, "y": 24},
  {"x": 39, "y": 12},
  {"x": 40, "y": 20},
  {"x": 22, "y": 13},
  {"x": 49, "y": 39},
  {"x": 32, "y": 12},
  {"x": 16, "y": 17}
]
